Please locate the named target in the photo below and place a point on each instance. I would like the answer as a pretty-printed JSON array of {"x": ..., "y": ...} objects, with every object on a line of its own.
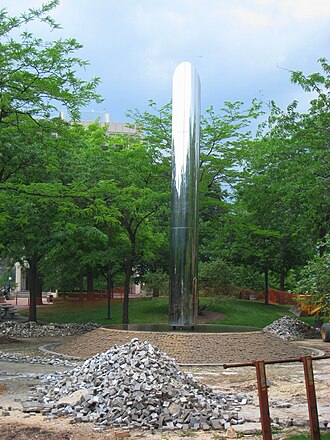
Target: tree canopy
[
  {"x": 37, "y": 79},
  {"x": 94, "y": 206}
]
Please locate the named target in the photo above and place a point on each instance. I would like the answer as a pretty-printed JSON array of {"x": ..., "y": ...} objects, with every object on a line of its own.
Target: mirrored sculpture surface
[{"x": 184, "y": 196}]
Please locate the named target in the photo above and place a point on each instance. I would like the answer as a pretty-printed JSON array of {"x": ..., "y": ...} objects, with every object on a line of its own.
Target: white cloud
[
  {"x": 251, "y": 18},
  {"x": 306, "y": 9},
  {"x": 134, "y": 45}
]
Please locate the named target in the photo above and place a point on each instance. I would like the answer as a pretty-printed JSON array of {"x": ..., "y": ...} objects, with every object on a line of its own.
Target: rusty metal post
[
  {"x": 263, "y": 400},
  {"x": 311, "y": 398},
  {"x": 263, "y": 394}
]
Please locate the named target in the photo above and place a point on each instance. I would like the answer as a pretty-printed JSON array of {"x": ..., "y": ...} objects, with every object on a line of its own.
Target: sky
[{"x": 242, "y": 49}]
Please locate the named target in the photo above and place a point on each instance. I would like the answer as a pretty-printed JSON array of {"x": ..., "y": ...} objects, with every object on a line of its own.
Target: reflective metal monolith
[{"x": 184, "y": 196}]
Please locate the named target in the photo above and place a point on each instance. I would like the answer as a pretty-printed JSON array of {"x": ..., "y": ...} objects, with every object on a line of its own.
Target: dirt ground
[
  {"x": 286, "y": 390},
  {"x": 191, "y": 348}
]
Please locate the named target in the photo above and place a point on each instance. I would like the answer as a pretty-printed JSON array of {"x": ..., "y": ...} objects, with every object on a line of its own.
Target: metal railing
[{"x": 263, "y": 392}]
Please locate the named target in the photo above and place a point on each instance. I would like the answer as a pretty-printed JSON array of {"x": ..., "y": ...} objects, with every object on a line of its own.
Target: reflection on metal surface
[{"x": 184, "y": 196}]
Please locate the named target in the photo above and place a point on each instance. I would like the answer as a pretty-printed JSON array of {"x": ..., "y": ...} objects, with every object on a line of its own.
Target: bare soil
[{"x": 287, "y": 395}]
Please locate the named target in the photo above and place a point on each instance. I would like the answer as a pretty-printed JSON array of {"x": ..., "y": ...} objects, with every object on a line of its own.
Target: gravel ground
[
  {"x": 287, "y": 393},
  {"x": 190, "y": 348}
]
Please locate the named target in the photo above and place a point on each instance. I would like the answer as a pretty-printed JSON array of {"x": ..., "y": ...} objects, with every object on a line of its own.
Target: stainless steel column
[{"x": 184, "y": 196}]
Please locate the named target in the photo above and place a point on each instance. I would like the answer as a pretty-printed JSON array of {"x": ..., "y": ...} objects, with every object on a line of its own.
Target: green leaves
[
  {"x": 286, "y": 182},
  {"x": 315, "y": 280},
  {"x": 37, "y": 77},
  {"x": 37, "y": 183}
]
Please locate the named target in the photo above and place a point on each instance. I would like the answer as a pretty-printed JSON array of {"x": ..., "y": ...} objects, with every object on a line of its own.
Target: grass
[
  {"x": 245, "y": 312},
  {"x": 155, "y": 310},
  {"x": 324, "y": 436},
  {"x": 141, "y": 310}
]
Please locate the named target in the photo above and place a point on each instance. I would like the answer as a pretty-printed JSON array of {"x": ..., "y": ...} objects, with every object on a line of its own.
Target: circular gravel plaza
[
  {"x": 191, "y": 348},
  {"x": 35, "y": 383}
]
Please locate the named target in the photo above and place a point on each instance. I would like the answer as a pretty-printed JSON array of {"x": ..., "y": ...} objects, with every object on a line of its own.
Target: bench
[
  {"x": 7, "y": 310},
  {"x": 12, "y": 312}
]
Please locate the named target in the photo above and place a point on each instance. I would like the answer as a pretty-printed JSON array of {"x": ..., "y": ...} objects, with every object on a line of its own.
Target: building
[{"x": 113, "y": 128}]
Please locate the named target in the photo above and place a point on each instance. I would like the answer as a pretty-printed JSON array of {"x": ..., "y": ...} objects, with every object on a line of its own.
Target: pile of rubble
[
  {"x": 134, "y": 386},
  {"x": 292, "y": 329},
  {"x": 35, "y": 330},
  {"x": 16, "y": 357}
]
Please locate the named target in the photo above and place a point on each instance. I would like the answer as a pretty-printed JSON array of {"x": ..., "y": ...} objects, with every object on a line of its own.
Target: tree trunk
[
  {"x": 266, "y": 287},
  {"x": 109, "y": 275},
  {"x": 39, "y": 291},
  {"x": 109, "y": 287},
  {"x": 282, "y": 281},
  {"x": 33, "y": 275},
  {"x": 90, "y": 280},
  {"x": 81, "y": 287},
  {"x": 155, "y": 293},
  {"x": 128, "y": 273}
]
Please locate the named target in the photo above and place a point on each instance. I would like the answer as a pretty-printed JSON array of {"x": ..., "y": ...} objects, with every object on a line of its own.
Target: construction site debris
[
  {"x": 135, "y": 386},
  {"x": 292, "y": 329},
  {"x": 36, "y": 330}
]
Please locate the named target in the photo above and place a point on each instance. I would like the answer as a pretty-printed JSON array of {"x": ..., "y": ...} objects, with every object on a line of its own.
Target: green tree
[
  {"x": 224, "y": 135},
  {"x": 157, "y": 282},
  {"x": 216, "y": 276},
  {"x": 286, "y": 183},
  {"x": 38, "y": 78},
  {"x": 140, "y": 196},
  {"x": 26, "y": 236},
  {"x": 124, "y": 192},
  {"x": 315, "y": 280}
]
